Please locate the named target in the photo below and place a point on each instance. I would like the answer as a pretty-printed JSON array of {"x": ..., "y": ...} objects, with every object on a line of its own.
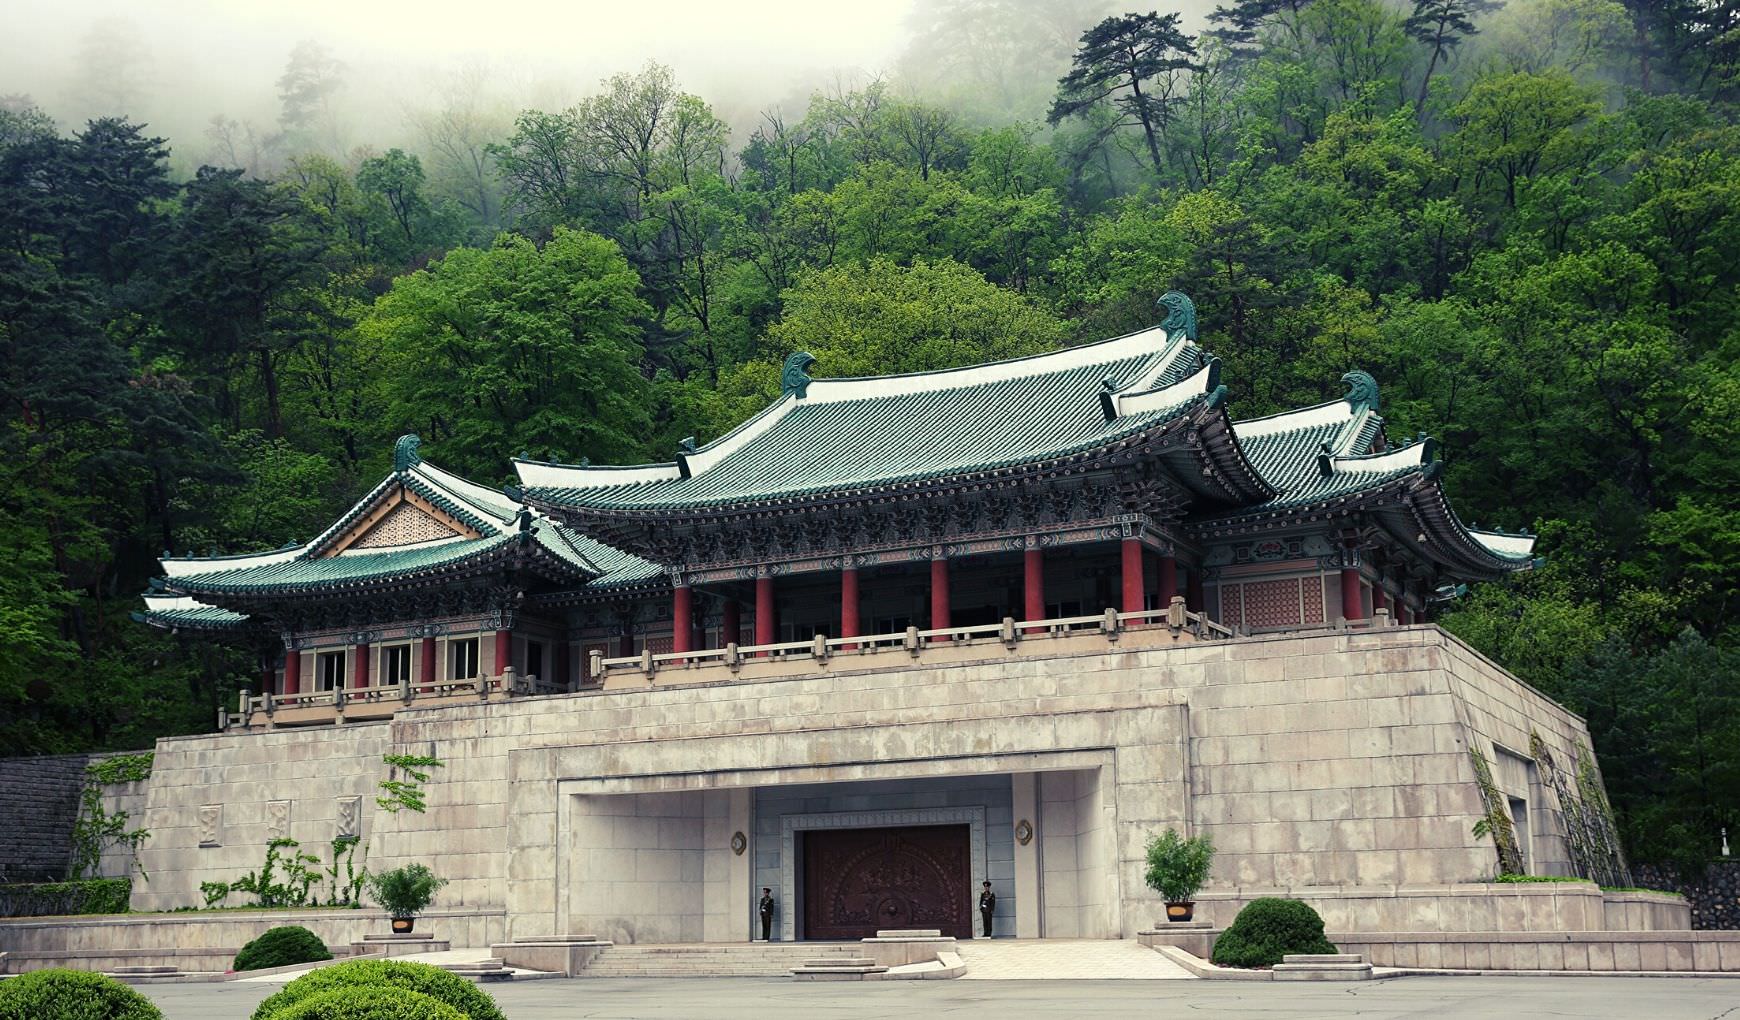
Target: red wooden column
[
  {"x": 1033, "y": 564},
  {"x": 625, "y": 643},
  {"x": 360, "y": 666},
  {"x": 426, "y": 668},
  {"x": 564, "y": 663},
  {"x": 733, "y": 621},
  {"x": 1377, "y": 599},
  {"x": 1168, "y": 580},
  {"x": 504, "y": 651},
  {"x": 1352, "y": 606},
  {"x": 939, "y": 595},
  {"x": 766, "y": 625},
  {"x": 1193, "y": 596},
  {"x": 682, "y": 618},
  {"x": 1133, "y": 584},
  {"x": 849, "y": 603},
  {"x": 292, "y": 670}
]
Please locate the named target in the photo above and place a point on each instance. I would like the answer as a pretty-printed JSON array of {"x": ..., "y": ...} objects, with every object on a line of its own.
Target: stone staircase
[{"x": 756, "y": 959}]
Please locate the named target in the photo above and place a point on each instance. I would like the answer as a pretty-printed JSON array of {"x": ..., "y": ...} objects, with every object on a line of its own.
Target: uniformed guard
[
  {"x": 766, "y": 908},
  {"x": 987, "y": 907}
]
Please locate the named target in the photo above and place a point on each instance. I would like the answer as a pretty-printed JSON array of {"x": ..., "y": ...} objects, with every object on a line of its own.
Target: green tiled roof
[
  {"x": 849, "y": 434},
  {"x": 172, "y": 613},
  {"x": 568, "y": 555}
]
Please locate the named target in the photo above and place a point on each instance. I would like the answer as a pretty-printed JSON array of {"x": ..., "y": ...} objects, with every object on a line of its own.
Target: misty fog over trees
[{"x": 219, "y": 304}]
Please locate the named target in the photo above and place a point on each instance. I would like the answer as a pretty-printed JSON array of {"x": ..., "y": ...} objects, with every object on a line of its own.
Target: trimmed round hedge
[
  {"x": 365, "y": 1002},
  {"x": 434, "y": 982},
  {"x": 281, "y": 947},
  {"x": 1268, "y": 929},
  {"x": 71, "y": 995}
]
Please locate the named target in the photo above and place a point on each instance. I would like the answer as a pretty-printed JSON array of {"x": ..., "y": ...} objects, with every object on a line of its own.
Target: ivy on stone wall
[
  {"x": 47, "y": 899},
  {"x": 97, "y": 830},
  {"x": 1497, "y": 822},
  {"x": 1591, "y": 835},
  {"x": 406, "y": 794}
]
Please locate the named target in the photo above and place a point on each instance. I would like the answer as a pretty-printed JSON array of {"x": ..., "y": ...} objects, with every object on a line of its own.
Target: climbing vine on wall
[
  {"x": 1497, "y": 822},
  {"x": 97, "y": 830},
  {"x": 1591, "y": 836},
  {"x": 406, "y": 794}
]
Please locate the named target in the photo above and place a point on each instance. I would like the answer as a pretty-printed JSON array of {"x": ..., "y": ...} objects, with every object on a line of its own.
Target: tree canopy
[{"x": 1520, "y": 219}]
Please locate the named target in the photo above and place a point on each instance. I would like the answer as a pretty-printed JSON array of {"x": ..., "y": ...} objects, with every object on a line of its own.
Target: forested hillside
[{"x": 1524, "y": 220}]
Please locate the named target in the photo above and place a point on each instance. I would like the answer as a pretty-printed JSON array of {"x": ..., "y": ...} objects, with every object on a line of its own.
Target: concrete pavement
[{"x": 1456, "y": 998}]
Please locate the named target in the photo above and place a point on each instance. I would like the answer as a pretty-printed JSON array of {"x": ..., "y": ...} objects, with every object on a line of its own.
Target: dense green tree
[
  {"x": 1440, "y": 26},
  {"x": 1129, "y": 63},
  {"x": 517, "y": 347},
  {"x": 878, "y": 317}
]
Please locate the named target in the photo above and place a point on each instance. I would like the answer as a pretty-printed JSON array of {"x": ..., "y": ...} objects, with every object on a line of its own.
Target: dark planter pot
[
  {"x": 1180, "y": 911},
  {"x": 403, "y": 925}
]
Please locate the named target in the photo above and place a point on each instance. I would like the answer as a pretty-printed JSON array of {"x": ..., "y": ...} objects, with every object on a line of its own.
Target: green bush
[
  {"x": 281, "y": 947},
  {"x": 1177, "y": 867},
  {"x": 84, "y": 896},
  {"x": 434, "y": 982},
  {"x": 368, "y": 1002},
  {"x": 1268, "y": 929},
  {"x": 406, "y": 891},
  {"x": 71, "y": 995}
]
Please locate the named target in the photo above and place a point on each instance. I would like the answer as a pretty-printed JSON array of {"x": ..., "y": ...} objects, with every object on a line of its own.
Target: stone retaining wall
[
  {"x": 1714, "y": 899},
  {"x": 188, "y": 939},
  {"x": 39, "y": 801},
  {"x": 1575, "y": 951},
  {"x": 1465, "y": 907}
]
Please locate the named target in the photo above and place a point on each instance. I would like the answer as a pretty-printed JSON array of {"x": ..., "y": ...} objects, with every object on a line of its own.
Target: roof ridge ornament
[
  {"x": 1362, "y": 391},
  {"x": 1180, "y": 314},
  {"x": 794, "y": 378},
  {"x": 406, "y": 452}
]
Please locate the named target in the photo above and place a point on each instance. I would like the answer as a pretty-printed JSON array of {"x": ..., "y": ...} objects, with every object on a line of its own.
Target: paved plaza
[
  {"x": 1065, "y": 959},
  {"x": 1454, "y": 998}
]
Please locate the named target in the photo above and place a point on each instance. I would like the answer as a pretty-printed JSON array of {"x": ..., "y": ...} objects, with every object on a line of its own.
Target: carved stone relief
[
  {"x": 277, "y": 819},
  {"x": 211, "y": 823},
  {"x": 349, "y": 817}
]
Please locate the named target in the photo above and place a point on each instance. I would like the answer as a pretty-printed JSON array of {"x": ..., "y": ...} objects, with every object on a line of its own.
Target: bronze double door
[{"x": 859, "y": 881}]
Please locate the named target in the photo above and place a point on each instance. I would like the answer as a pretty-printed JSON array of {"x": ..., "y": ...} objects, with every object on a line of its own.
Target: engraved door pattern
[{"x": 859, "y": 881}]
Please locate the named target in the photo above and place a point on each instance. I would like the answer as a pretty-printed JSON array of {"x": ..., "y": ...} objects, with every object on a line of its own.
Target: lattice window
[
  {"x": 404, "y": 525},
  {"x": 1272, "y": 603},
  {"x": 1232, "y": 605},
  {"x": 1311, "y": 598}
]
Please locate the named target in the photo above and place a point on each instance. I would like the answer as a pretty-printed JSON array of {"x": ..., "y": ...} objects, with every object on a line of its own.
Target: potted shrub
[
  {"x": 404, "y": 893},
  {"x": 1177, "y": 867}
]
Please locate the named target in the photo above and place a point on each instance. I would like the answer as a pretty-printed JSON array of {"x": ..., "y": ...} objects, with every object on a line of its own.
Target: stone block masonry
[
  {"x": 1323, "y": 760},
  {"x": 39, "y": 802}
]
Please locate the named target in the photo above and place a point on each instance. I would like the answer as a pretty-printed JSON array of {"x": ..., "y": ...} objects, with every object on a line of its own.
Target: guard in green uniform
[
  {"x": 987, "y": 907},
  {"x": 766, "y": 908}
]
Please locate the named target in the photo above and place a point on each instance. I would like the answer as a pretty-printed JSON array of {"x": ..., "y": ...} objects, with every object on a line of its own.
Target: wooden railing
[{"x": 1009, "y": 633}]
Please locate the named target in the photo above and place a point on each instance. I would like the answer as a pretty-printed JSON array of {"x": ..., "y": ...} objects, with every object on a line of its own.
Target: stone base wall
[
  {"x": 1714, "y": 898},
  {"x": 1320, "y": 761}
]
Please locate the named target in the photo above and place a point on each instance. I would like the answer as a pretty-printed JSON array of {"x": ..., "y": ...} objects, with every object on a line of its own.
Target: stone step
[
  {"x": 146, "y": 970},
  {"x": 1323, "y": 958}
]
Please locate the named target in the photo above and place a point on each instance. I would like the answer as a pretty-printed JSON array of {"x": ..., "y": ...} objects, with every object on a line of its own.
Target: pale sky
[{"x": 222, "y": 56}]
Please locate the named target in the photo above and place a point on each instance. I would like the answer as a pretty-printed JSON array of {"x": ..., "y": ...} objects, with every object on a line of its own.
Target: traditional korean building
[
  {"x": 998, "y": 622},
  {"x": 1110, "y": 475}
]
